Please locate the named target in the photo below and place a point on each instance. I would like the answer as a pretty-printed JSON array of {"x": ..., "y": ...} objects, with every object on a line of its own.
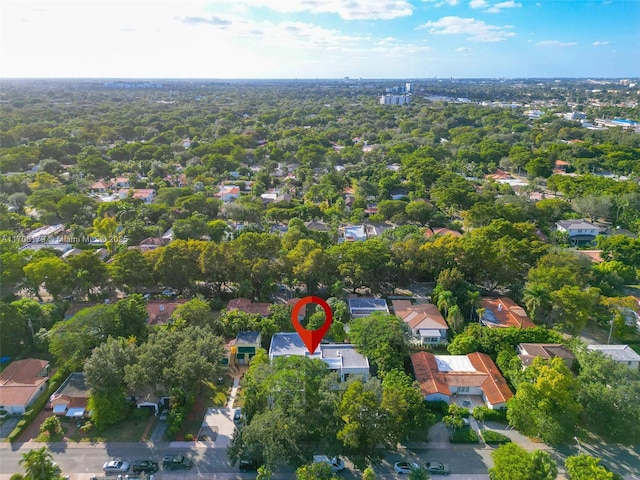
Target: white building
[
  {"x": 389, "y": 99},
  {"x": 341, "y": 358},
  {"x": 365, "y": 306},
  {"x": 619, "y": 353},
  {"x": 580, "y": 231}
]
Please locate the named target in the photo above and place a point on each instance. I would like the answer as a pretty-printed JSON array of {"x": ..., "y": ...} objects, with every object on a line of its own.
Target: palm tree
[
  {"x": 480, "y": 312},
  {"x": 474, "y": 302},
  {"x": 445, "y": 302},
  {"x": 535, "y": 298},
  {"x": 39, "y": 465}
]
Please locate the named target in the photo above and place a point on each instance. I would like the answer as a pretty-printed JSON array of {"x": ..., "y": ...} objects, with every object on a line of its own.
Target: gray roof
[
  {"x": 290, "y": 343},
  {"x": 577, "y": 224},
  {"x": 367, "y": 305},
  {"x": 248, "y": 338},
  {"x": 619, "y": 353},
  {"x": 73, "y": 386}
]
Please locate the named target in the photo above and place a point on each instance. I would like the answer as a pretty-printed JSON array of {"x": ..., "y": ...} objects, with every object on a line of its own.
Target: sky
[{"x": 404, "y": 39}]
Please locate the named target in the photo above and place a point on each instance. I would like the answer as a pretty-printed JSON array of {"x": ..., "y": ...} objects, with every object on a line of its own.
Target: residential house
[
  {"x": 45, "y": 234},
  {"x": 145, "y": 194},
  {"x": 503, "y": 312},
  {"x": 427, "y": 324},
  {"x": 365, "y": 306},
  {"x": 399, "y": 194},
  {"x": 580, "y": 232},
  {"x": 561, "y": 166},
  {"x": 151, "y": 243},
  {"x": 22, "y": 383},
  {"x": 119, "y": 182},
  {"x": 623, "y": 354},
  {"x": 98, "y": 187},
  {"x": 342, "y": 358},
  {"x": 242, "y": 349},
  {"x": 377, "y": 230},
  {"x": 147, "y": 397},
  {"x": 159, "y": 312},
  {"x": 72, "y": 398},
  {"x": 248, "y": 306},
  {"x": 433, "y": 232},
  {"x": 528, "y": 351},
  {"x": 318, "y": 226},
  {"x": 446, "y": 377},
  {"x": 228, "y": 193},
  {"x": 353, "y": 233}
]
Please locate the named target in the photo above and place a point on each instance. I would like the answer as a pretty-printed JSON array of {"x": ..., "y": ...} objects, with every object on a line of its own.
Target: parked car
[
  {"x": 169, "y": 292},
  {"x": 405, "y": 467},
  {"x": 115, "y": 466},
  {"x": 437, "y": 468},
  {"x": 237, "y": 415},
  {"x": 176, "y": 462},
  {"x": 246, "y": 465},
  {"x": 146, "y": 466},
  {"x": 335, "y": 463},
  {"x": 163, "y": 415}
]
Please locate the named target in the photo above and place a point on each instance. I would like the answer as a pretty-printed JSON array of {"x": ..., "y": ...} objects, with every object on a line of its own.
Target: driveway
[
  {"x": 217, "y": 427},
  {"x": 7, "y": 425}
]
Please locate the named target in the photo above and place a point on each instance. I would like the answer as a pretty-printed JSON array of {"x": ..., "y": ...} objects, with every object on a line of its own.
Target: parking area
[{"x": 217, "y": 427}]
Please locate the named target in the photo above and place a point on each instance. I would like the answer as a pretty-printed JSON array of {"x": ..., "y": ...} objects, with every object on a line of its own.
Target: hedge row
[
  {"x": 492, "y": 437},
  {"x": 38, "y": 405},
  {"x": 464, "y": 436}
]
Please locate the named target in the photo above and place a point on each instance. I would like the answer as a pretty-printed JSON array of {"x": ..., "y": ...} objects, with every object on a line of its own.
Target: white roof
[
  {"x": 619, "y": 353},
  {"x": 454, "y": 363}
]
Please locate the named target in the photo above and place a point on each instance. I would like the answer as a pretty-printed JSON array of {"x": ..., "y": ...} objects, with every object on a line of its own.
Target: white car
[
  {"x": 405, "y": 467},
  {"x": 336, "y": 464},
  {"x": 116, "y": 466}
]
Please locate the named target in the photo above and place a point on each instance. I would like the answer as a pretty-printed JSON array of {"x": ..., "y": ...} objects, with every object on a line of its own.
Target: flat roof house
[
  {"x": 365, "y": 306},
  {"x": 619, "y": 353},
  {"x": 242, "y": 349},
  {"x": 342, "y": 358},
  {"x": 443, "y": 377},
  {"x": 21, "y": 383},
  {"x": 71, "y": 398}
]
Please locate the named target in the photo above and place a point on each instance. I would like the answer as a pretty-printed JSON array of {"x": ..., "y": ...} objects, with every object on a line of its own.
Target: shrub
[
  {"x": 464, "y": 436},
  {"x": 189, "y": 437},
  {"x": 493, "y": 437},
  {"x": 16, "y": 476},
  {"x": 485, "y": 413},
  {"x": 439, "y": 406}
]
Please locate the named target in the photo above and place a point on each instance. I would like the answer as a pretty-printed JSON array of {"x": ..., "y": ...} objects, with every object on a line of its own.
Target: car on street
[
  {"x": 145, "y": 466},
  {"x": 246, "y": 465},
  {"x": 335, "y": 463},
  {"x": 169, "y": 292},
  {"x": 176, "y": 462},
  {"x": 115, "y": 466},
  {"x": 405, "y": 467},
  {"x": 437, "y": 468}
]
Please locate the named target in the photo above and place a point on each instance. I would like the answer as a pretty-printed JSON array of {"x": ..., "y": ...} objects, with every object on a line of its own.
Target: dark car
[
  {"x": 237, "y": 415},
  {"x": 246, "y": 465},
  {"x": 176, "y": 462},
  {"x": 145, "y": 466}
]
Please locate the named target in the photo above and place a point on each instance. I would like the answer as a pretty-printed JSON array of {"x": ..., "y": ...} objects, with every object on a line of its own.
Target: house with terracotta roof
[
  {"x": 528, "y": 351},
  {"x": 21, "y": 383},
  {"x": 427, "y": 324},
  {"x": 159, "y": 311},
  {"x": 433, "y": 232},
  {"x": 145, "y": 194},
  {"x": 503, "y": 312},
  {"x": 248, "y": 306},
  {"x": 151, "y": 243},
  {"x": 72, "y": 398},
  {"x": 98, "y": 187},
  {"x": 445, "y": 377},
  {"x": 228, "y": 193}
]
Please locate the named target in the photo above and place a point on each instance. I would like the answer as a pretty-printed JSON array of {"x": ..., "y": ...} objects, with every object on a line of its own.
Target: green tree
[
  {"x": 108, "y": 408},
  {"x": 131, "y": 270},
  {"x": 107, "y": 228},
  {"x": 88, "y": 271},
  {"x": 14, "y": 332},
  {"x": 418, "y": 474},
  {"x": 381, "y": 338},
  {"x": 194, "y": 312},
  {"x": 586, "y": 467},
  {"x": 536, "y": 299},
  {"x": 39, "y": 465},
  {"x": 545, "y": 404},
  {"x": 315, "y": 471},
  {"x": 512, "y": 462},
  {"x": 52, "y": 273},
  {"x": 51, "y": 426},
  {"x": 131, "y": 318},
  {"x": 574, "y": 306}
]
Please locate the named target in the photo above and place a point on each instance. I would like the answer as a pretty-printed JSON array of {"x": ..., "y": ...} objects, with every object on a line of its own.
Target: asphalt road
[{"x": 82, "y": 462}]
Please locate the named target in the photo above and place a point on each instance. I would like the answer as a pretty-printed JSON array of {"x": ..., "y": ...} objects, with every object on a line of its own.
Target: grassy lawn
[
  {"x": 129, "y": 430},
  {"x": 58, "y": 437}
]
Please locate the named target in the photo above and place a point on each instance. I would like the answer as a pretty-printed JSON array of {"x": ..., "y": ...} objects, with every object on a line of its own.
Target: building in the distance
[
  {"x": 389, "y": 99},
  {"x": 623, "y": 354},
  {"x": 339, "y": 357}
]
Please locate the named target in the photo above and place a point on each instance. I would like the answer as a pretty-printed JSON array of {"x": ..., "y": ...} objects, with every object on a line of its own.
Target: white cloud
[
  {"x": 497, "y": 8},
  {"x": 598, "y": 43},
  {"x": 555, "y": 43},
  {"x": 440, "y": 3},
  {"x": 348, "y": 10},
  {"x": 477, "y": 30},
  {"x": 478, "y": 3},
  {"x": 463, "y": 49}
]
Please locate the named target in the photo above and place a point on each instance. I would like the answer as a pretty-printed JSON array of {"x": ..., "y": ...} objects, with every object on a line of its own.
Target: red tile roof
[
  {"x": 506, "y": 312},
  {"x": 495, "y": 387},
  {"x": 246, "y": 305},
  {"x": 159, "y": 311},
  {"x": 486, "y": 376},
  {"x": 431, "y": 232},
  {"x": 422, "y": 316},
  {"x": 20, "y": 380}
]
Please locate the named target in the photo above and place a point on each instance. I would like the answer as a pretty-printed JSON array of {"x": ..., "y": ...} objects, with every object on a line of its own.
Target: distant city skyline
[{"x": 320, "y": 39}]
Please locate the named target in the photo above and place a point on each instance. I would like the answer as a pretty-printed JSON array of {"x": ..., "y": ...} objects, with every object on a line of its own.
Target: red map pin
[{"x": 311, "y": 338}]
